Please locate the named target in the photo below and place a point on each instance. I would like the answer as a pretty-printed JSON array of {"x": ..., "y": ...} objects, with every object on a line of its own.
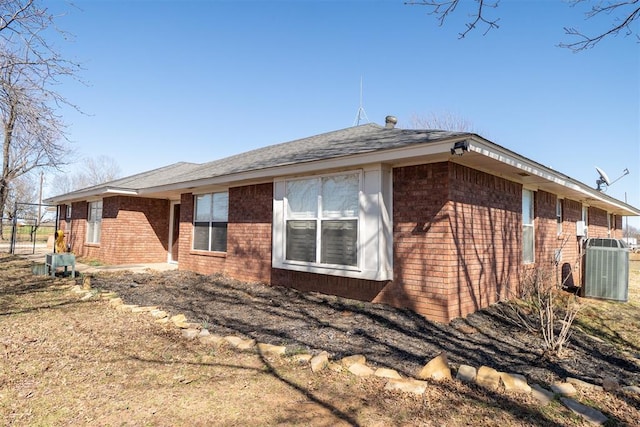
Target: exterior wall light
[{"x": 459, "y": 148}]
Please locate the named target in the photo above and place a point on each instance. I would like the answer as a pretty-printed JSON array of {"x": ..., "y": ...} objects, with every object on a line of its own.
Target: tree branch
[
  {"x": 443, "y": 8},
  {"x": 630, "y": 12}
]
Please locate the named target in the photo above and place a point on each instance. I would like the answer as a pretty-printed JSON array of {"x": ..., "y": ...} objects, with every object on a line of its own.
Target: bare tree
[
  {"x": 33, "y": 134},
  {"x": 441, "y": 121},
  {"x": 622, "y": 13},
  {"x": 93, "y": 171}
]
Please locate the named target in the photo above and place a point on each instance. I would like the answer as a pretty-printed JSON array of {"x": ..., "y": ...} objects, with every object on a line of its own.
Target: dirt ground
[
  {"x": 389, "y": 337},
  {"x": 65, "y": 361}
]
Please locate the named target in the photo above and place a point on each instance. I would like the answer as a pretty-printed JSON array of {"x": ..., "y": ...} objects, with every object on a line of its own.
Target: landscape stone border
[{"x": 437, "y": 369}]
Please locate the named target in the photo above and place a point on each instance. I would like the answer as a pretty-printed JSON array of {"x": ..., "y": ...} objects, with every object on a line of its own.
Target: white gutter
[
  {"x": 94, "y": 192},
  {"x": 531, "y": 167}
]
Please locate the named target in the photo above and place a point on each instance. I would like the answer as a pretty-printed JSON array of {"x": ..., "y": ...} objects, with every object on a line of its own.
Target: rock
[
  {"x": 239, "y": 343},
  {"x": 204, "y": 333},
  {"x": 233, "y": 340},
  {"x": 632, "y": 389},
  {"x": 583, "y": 384},
  {"x": 466, "y": 373},
  {"x": 190, "y": 333},
  {"x": 319, "y": 362},
  {"x": 590, "y": 414},
  {"x": 108, "y": 295},
  {"x": 144, "y": 309},
  {"x": 610, "y": 384},
  {"x": 159, "y": 314},
  {"x": 128, "y": 308},
  {"x": 407, "y": 386},
  {"x": 387, "y": 373},
  {"x": 350, "y": 360},
  {"x": 437, "y": 369},
  {"x": 515, "y": 382},
  {"x": 301, "y": 358},
  {"x": 488, "y": 377},
  {"x": 162, "y": 320},
  {"x": 272, "y": 349},
  {"x": 178, "y": 318},
  {"x": 246, "y": 344},
  {"x": 564, "y": 389},
  {"x": 335, "y": 367},
  {"x": 210, "y": 339},
  {"x": 114, "y": 302},
  {"x": 542, "y": 395},
  {"x": 87, "y": 296},
  {"x": 360, "y": 370}
]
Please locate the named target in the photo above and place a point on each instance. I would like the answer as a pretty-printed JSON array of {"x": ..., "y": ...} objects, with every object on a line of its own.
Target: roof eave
[
  {"x": 89, "y": 194},
  {"x": 592, "y": 196}
]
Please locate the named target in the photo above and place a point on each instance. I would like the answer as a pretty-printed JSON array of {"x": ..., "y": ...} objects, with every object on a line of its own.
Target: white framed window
[
  {"x": 337, "y": 224},
  {"x": 559, "y": 216},
  {"x": 528, "y": 237},
  {"x": 322, "y": 220},
  {"x": 94, "y": 222},
  {"x": 210, "y": 220},
  {"x": 68, "y": 212}
]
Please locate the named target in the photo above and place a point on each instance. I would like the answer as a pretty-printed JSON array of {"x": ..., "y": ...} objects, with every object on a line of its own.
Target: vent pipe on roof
[{"x": 390, "y": 122}]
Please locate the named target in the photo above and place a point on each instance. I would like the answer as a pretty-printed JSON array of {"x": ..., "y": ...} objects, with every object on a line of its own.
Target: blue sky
[{"x": 199, "y": 80}]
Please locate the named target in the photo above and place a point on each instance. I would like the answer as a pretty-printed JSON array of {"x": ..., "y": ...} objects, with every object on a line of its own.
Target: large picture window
[
  {"x": 94, "y": 222},
  {"x": 528, "y": 242},
  {"x": 210, "y": 222},
  {"x": 322, "y": 220}
]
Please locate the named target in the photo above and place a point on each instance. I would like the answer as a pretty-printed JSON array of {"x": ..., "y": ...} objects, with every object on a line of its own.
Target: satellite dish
[{"x": 604, "y": 179}]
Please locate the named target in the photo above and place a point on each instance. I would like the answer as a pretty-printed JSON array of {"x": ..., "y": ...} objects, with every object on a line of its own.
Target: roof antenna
[{"x": 362, "y": 115}]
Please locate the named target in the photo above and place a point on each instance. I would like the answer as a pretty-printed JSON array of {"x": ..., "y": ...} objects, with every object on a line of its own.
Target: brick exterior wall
[
  {"x": 249, "y": 233},
  {"x": 133, "y": 228},
  {"x": 486, "y": 226},
  {"x": 454, "y": 229},
  {"x": 248, "y": 255},
  {"x": 457, "y": 236},
  {"x": 423, "y": 248}
]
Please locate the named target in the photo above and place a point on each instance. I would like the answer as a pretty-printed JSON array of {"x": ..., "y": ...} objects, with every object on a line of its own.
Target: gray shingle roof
[
  {"x": 354, "y": 140},
  {"x": 345, "y": 142}
]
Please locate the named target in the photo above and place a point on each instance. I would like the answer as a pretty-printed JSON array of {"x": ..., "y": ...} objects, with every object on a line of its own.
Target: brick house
[{"x": 442, "y": 223}]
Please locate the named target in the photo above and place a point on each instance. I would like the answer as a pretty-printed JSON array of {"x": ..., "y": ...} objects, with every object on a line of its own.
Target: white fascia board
[
  {"x": 91, "y": 194},
  {"x": 533, "y": 168},
  {"x": 317, "y": 166}
]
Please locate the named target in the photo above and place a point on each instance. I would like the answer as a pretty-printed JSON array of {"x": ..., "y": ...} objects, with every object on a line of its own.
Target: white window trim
[
  {"x": 559, "y": 216},
  {"x": 95, "y": 239},
  {"x": 318, "y": 218},
  {"x": 375, "y": 260},
  {"x": 532, "y": 225}
]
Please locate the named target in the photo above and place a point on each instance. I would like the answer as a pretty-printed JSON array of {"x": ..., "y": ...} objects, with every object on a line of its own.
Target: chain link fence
[{"x": 26, "y": 236}]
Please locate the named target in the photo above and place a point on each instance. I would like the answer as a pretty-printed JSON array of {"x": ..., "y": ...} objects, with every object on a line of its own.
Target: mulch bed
[{"x": 390, "y": 337}]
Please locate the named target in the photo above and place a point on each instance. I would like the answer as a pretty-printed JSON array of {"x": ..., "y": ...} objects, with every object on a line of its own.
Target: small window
[
  {"x": 68, "y": 213},
  {"x": 528, "y": 241},
  {"x": 559, "y": 216},
  {"x": 94, "y": 222},
  {"x": 210, "y": 222}
]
